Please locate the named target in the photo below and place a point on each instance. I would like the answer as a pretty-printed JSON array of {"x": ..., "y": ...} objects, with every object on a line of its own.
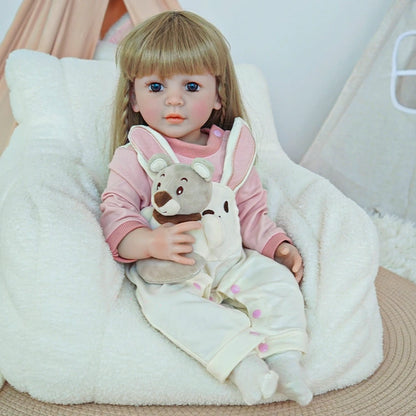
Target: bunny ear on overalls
[
  {"x": 148, "y": 142},
  {"x": 240, "y": 155}
]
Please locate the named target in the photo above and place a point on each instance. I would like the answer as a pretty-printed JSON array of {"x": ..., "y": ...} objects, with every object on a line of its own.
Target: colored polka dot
[
  {"x": 263, "y": 347},
  {"x": 256, "y": 313},
  {"x": 235, "y": 289},
  {"x": 254, "y": 333},
  {"x": 218, "y": 133},
  {"x": 197, "y": 285},
  {"x": 211, "y": 298}
]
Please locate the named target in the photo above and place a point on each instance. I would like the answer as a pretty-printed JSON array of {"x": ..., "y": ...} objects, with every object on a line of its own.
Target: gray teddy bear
[{"x": 180, "y": 193}]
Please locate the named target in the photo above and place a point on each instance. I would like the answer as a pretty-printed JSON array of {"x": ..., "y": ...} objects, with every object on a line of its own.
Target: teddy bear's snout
[
  {"x": 161, "y": 198},
  {"x": 165, "y": 204}
]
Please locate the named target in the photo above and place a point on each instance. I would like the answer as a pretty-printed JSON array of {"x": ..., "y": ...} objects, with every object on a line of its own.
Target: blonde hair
[{"x": 169, "y": 43}]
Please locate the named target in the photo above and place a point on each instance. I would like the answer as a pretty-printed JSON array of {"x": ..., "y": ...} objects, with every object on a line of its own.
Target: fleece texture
[{"x": 71, "y": 330}]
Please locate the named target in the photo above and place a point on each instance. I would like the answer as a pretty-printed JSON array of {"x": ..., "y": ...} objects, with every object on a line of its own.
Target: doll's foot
[
  {"x": 254, "y": 379},
  {"x": 292, "y": 380}
]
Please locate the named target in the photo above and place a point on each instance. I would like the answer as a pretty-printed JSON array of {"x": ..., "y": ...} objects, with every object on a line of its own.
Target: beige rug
[{"x": 391, "y": 391}]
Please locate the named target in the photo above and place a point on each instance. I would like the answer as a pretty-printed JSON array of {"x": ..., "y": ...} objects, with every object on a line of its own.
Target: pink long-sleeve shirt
[{"x": 128, "y": 191}]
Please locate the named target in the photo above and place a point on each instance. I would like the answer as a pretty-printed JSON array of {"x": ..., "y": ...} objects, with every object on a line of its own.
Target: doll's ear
[
  {"x": 203, "y": 168},
  {"x": 133, "y": 101},
  {"x": 159, "y": 162},
  {"x": 240, "y": 155}
]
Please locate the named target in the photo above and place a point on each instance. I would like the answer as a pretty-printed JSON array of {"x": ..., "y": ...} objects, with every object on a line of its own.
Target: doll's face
[{"x": 177, "y": 106}]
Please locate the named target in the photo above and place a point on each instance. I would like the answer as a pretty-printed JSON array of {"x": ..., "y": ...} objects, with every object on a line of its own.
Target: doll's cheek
[{"x": 201, "y": 110}]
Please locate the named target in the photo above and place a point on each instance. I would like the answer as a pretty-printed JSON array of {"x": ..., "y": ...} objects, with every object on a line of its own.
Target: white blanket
[{"x": 70, "y": 328}]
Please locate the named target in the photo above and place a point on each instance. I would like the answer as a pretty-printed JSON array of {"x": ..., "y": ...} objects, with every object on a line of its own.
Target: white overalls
[{"x": 242, "y": 301}]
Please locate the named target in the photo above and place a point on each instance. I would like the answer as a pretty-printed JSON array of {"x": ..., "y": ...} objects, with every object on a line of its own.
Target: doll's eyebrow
[{"x": 184, "y": 179}]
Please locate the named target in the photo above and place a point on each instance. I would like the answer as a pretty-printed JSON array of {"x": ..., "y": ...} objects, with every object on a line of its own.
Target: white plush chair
[{"x": 70, "y": 327}]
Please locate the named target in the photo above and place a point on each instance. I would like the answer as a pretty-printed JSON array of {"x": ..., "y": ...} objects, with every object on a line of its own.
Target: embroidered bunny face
[{"x": 223, "y": 208}]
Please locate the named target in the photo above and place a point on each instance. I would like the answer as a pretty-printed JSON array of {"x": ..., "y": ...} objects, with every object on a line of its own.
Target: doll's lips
[{"x": 174, "y": 118}]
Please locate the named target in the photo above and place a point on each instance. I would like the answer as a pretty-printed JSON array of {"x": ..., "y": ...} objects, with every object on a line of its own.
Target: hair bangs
[
  {"x": 170, "y": 59},
  {"x": 174, "y": 46}
]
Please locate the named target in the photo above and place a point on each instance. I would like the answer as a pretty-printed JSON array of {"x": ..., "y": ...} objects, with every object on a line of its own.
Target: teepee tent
[
  {"x": 367, "y": 146},
  {"x": 64, "y": 28}
]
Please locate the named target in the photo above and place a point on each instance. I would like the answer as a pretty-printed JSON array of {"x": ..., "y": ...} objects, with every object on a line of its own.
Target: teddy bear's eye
[
  {"x": 226, "y": 209},
  {"x": 179, "y": 191},
  {"x": 158, "y": 186}
]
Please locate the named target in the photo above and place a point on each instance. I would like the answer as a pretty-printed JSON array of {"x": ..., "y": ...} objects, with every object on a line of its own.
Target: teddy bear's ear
[
  {"x": 203, "y": 168},
  {"x": 159, "y": 162}
]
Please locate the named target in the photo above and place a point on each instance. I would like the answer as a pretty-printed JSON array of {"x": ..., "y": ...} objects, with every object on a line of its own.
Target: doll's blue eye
[
  {"x": 155, "y": 87},
  {"x": 192, "y": 86}
]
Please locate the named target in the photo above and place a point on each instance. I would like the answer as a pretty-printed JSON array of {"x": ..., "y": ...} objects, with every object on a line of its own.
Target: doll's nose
[
  {"x": 174, "y": 101},
  {"x": 174, "y": 98}
]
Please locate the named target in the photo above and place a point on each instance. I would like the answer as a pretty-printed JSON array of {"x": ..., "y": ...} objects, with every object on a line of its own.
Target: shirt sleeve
[
  {"x": 259, "y": 232},
  {"x": 127, "y": 193}
]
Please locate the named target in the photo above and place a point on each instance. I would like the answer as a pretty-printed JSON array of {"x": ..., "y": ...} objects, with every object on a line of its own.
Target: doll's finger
[
  {"x": 283, "y": 250},
  {"x": 178, "y": 249},
  {"x": 299, "y": 275},
  {"x": 183, "y": 260},
  {"x": 188, "y": 226},
  {"x": 183, "y": 239},
  {"x": 297, "y": 264}
]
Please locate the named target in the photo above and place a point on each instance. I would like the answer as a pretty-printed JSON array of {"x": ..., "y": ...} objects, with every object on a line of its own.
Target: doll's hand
[
  {"x": 170, "y": 242},
  {"x": 288, "y": 255}
]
